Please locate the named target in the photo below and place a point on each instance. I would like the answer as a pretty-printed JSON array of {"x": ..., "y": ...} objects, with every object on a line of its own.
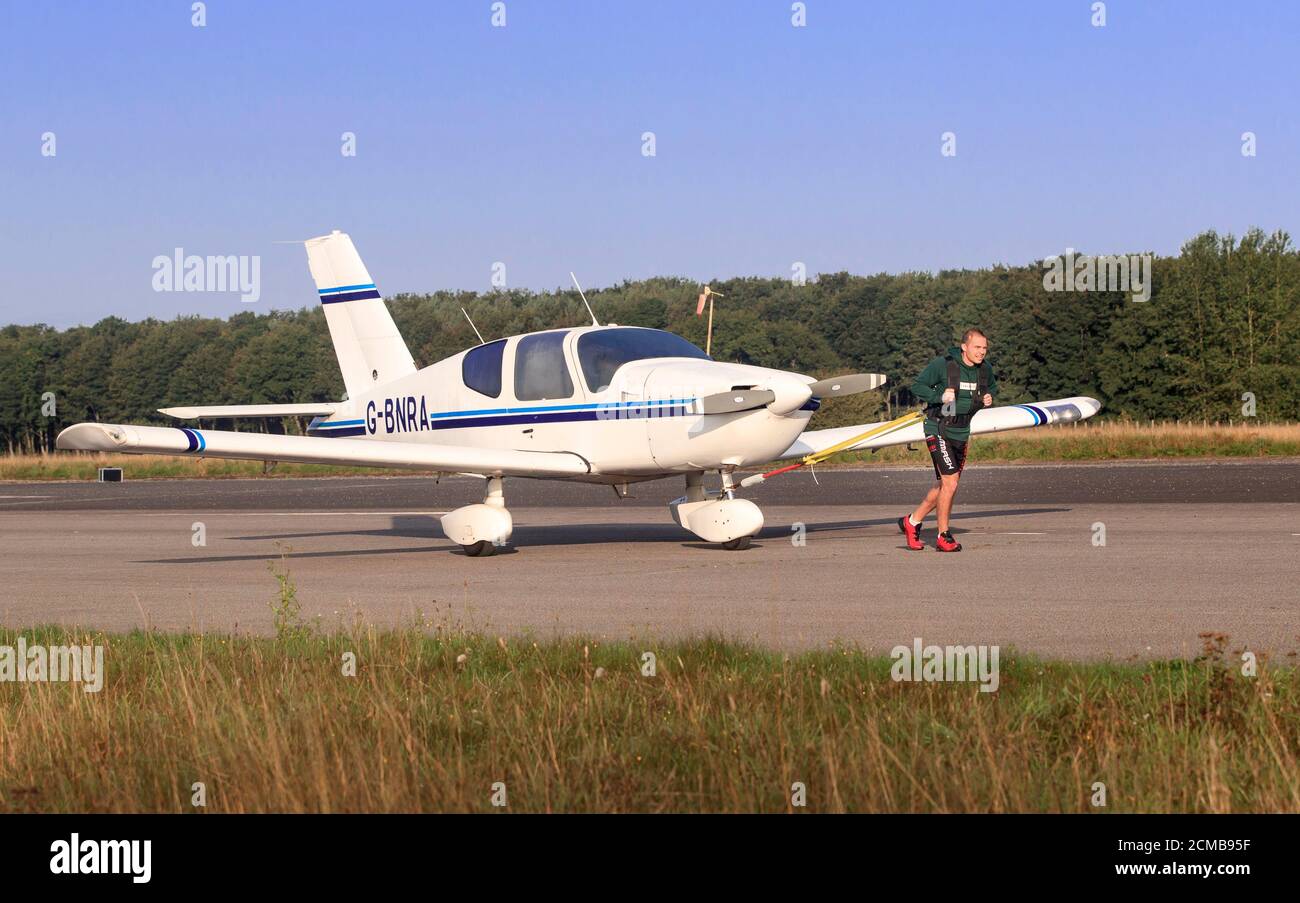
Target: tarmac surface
[{"x": 1189, "y": 548}]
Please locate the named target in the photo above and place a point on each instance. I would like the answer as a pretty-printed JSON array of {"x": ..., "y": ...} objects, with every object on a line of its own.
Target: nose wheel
[{"x": 724, "y": 519}]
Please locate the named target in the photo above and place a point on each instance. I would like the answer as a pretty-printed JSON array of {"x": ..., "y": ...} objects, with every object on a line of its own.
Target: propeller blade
[
  {"x": 737, "y": 400},
  {"x": 839, "y": 386}
]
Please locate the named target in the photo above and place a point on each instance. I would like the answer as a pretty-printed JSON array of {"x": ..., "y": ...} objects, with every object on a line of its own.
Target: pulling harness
[{"x": 961, "y": 421}]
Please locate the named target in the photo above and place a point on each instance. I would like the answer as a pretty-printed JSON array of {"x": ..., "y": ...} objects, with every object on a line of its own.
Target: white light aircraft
[{"x": 598, "y": 404}]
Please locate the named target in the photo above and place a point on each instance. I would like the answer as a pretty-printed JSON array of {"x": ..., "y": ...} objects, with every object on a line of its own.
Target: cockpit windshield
[{"x": 601, "y": 353}]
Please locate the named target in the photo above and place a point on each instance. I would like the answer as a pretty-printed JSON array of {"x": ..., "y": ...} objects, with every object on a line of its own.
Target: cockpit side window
[
  {"x": 601, "y": 353},
  {"x": 541, "y": 372},
  {"x": 481, "y": 368}
]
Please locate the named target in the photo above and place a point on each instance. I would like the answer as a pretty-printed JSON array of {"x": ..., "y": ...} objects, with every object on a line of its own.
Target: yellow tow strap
[{"x": 885, "y": 428}]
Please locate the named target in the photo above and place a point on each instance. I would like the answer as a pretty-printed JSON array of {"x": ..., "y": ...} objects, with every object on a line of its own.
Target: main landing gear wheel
[
  {"x": 480, "y": 529},
  {"x": 737, "y": 544}
]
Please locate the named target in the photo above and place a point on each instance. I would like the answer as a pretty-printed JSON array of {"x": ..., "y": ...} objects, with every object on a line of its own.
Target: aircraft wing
[
  {"x": 168, "y": 440},
  {"x": 193, "y": 412},
  {"x": 989, "y": 420}
]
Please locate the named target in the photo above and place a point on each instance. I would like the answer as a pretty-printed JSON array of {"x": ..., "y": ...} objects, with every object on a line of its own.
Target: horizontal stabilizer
[
  {"x": 989, "y": 420},
  {"x": 172, "y": 440},
  {"x": 322, "y": 409}
]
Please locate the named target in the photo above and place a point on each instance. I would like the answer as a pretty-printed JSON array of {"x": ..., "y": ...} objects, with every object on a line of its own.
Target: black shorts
[{"x": 949, "y": 457}]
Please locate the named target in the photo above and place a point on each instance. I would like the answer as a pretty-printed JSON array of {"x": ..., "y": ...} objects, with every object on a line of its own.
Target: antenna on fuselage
[
  {"x": 594, "y": 321},
  {"x": 473, "y": 327}
]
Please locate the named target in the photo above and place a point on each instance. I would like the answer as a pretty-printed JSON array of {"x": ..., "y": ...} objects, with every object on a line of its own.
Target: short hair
[{"x": 965, "y": 336}]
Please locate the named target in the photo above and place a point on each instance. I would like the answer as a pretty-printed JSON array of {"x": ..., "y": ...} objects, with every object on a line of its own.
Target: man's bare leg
[
  {"x": 947, "y": 490},
  {"x": 927, "y": 504}
]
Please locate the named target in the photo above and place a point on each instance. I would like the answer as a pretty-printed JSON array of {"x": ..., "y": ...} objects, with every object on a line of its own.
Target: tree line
[{"x": 1219, "y": 337}]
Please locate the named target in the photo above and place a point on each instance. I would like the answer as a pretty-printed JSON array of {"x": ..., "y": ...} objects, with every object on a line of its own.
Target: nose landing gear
[{"x": 725, "y": 519}]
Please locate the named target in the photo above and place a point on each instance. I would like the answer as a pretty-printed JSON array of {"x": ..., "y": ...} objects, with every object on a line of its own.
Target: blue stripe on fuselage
[
  {"x": 331, "y": 434},
  {"x": 541, "y": 409},
  {"x": 565, "y": 413},
  {"x": 560, "y": 416}
]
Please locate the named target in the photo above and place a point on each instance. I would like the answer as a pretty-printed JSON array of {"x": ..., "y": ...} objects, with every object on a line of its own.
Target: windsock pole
[
  {"x": 905, "y": 421},
  {"x": 707, "y": 295},
  {"x": 708, "y": 342}
]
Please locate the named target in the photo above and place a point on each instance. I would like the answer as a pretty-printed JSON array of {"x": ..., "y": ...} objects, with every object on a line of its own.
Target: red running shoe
[
  {"x": 946, "y": 543},
  {"x": 912, "y": 533}
]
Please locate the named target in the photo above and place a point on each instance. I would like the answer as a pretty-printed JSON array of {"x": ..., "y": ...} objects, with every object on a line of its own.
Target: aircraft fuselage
[{"x": 644, "y": 424}]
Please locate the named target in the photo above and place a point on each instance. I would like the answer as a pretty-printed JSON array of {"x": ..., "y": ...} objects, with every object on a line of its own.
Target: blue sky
[{"x": 522, "y": 144}]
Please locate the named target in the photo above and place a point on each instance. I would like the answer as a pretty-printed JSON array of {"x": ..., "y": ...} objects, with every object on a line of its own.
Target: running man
[{"x": 953, "y": 386}]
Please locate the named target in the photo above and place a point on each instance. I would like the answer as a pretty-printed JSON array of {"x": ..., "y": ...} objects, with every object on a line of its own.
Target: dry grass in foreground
[
  {"x": 433, "y": 719},
  {"x": 1093, "y": 441}
]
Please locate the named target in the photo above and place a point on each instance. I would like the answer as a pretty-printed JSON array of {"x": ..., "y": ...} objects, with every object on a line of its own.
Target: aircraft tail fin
[{"x": 369, "y": 347}]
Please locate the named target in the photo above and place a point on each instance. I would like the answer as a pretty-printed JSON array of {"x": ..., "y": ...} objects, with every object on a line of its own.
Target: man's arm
[{"x": 929, "y": 386}]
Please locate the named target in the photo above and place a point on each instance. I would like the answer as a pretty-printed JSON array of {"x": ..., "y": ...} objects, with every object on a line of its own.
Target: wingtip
[{"x": 90, "y": 437}]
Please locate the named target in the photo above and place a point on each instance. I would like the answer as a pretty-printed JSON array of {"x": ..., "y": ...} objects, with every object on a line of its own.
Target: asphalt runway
[{"x": 1189, "y": 548}]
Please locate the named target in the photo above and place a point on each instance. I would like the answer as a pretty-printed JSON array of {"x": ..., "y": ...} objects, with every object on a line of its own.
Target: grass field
[
  {"x": 433, "y": 718},
  {"x": 1101, "y": 441}
]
